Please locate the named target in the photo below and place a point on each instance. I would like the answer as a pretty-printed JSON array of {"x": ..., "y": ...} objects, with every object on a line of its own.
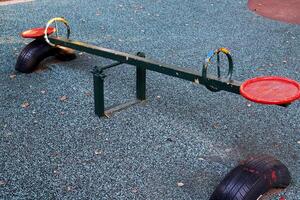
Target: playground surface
[{"x": 178, "y": 144}]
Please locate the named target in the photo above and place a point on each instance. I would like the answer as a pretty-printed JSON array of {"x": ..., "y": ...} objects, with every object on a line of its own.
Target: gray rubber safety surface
[{"x": 181, "y": 142}]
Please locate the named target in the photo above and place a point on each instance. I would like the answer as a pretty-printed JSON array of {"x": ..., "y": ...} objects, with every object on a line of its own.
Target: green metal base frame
[{"x": 99, "y": 76}]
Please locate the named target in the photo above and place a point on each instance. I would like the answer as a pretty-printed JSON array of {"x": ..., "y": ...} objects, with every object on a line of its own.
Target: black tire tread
[{"x": 238, "y": 184}]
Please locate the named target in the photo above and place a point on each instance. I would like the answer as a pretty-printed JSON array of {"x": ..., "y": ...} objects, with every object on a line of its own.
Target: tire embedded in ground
[
  {"x": 252, "y": 178},
  {"x": 33, "y": 54},
  {"x": 38, "y": 50}
]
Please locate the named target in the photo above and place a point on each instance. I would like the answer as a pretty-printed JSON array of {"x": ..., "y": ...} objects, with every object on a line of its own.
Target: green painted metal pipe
[{"x": 175, "y": 71}]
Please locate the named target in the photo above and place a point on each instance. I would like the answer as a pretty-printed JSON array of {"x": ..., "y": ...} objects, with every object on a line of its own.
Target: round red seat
[
  {"x": 271, "y": 90},
  {"x": 37, "y": 32}
]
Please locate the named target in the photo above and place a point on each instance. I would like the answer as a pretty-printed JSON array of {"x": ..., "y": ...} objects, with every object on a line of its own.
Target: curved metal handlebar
[
  {"x": 56, "y": 19},
  {"x": 207, "y": 61}
]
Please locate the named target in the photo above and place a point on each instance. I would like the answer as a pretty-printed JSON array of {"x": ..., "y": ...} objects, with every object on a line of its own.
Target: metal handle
[
  {"x": 56, "y": 19},
  {"x": 207, "y": 61}
]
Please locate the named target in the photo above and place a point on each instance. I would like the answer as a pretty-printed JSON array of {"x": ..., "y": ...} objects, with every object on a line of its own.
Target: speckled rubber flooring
[{"x": 52, "y": 146}]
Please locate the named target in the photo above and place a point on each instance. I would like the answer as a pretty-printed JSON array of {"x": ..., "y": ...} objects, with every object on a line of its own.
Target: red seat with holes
[
  {"x": 271, "y": 90},
  {"x": 37, "y": 32}
]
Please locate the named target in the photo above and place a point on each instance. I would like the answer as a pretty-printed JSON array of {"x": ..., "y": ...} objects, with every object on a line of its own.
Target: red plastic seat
[
  {"x": 271, "y": 90},
  {"x": 37, "y": 32}
]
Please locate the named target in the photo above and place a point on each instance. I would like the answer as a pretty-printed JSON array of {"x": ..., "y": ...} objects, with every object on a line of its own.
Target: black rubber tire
[
  {"x": 33, "y": 54},
  {"x": 252, "y": 178}
]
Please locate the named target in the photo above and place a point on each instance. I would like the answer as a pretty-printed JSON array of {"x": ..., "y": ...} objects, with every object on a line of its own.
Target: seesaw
[{"x": 250, "y": 179}]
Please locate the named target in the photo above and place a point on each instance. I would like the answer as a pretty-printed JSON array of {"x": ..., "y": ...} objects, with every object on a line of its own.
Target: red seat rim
[
  {"x": 285, "y": 101},
  {"x": 39, "y": 32}
]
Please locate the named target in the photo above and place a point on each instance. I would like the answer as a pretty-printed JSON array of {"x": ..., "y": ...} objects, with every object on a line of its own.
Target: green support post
[
  {"x": 141, "y": 83},
  {"x": 141, "y": 80},
  {"x": 98, "y": 77}
]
